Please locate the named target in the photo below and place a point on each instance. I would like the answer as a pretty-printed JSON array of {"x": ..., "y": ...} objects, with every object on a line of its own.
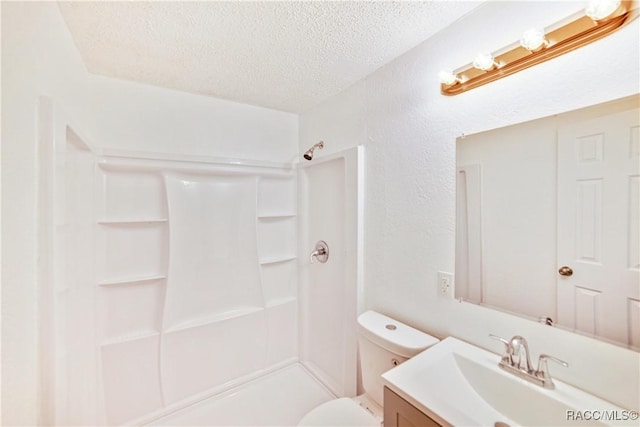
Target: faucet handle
[
  {"x": 502, "y": 340},
  {"x": 543, "y": 369},
  {"x": 542, "y": 362},
  {"x": 506, "y": 357}
]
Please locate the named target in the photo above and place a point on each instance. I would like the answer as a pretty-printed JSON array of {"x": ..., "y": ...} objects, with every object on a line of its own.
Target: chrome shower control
[{"x": 321, "y": 252}]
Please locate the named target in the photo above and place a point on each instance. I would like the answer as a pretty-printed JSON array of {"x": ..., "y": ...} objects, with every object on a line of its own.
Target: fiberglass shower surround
[
  {"x": 182, "y": 273},
  {"x": 177, "y": 278}
]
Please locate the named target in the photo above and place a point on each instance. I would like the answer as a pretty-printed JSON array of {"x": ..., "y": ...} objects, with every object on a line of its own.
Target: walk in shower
[{"x": 178, "y": 278}]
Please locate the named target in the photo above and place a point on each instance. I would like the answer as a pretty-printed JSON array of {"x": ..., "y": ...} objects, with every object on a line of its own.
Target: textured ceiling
[{"x": 284, "y": 55}]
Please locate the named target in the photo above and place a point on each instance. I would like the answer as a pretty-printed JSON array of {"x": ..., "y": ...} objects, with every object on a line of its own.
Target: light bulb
[
  {"x": 484, "y": 61},
  {"x": 601, "y": 9},
  {"x": 447, "y": 77},
  {"x": 533, "y": 39}
]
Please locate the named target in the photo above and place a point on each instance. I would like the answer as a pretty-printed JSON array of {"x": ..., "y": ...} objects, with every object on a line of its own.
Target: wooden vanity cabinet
[{"x": 400, "y": 413}]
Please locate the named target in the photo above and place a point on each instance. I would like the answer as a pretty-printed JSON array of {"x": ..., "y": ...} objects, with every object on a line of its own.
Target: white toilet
[{"x": 383, "y": 343}]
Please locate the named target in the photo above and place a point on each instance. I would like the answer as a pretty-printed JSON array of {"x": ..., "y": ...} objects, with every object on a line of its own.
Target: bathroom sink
[{"x": 456, "y": 383}]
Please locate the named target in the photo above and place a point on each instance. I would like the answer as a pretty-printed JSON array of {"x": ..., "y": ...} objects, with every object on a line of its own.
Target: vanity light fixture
[
  {"x": 484, "y": 61},
  {"x": 599, "y": 19},
  {"x": 601, "y": 9},
  {"x": 533, "y": 40},
  {"x": 447, "y": 77}
]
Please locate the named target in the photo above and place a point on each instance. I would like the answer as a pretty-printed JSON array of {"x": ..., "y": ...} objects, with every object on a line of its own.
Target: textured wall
[{"x": 409, "y": 130}]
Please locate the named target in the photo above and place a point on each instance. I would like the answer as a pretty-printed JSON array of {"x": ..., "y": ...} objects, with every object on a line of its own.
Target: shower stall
[{"x": 168, "y": 280}]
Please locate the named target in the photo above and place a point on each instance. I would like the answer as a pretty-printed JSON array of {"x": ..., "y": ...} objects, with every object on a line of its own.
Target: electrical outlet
[{"x": 445, "y": 282}]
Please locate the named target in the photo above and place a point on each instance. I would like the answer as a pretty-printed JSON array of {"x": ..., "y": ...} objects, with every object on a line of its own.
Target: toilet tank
[{"x": 384, "y": 343}]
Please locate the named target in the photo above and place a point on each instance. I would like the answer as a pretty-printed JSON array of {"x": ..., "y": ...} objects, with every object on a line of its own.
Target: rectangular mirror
[{"x": 548, "y": 216}]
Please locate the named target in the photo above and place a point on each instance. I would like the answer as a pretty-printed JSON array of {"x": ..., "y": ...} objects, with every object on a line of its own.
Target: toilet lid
[{"x": 340, "y": 412}]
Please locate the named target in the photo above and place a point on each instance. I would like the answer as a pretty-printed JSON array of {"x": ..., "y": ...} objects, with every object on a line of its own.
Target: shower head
[{"x": 309, "y": 153}]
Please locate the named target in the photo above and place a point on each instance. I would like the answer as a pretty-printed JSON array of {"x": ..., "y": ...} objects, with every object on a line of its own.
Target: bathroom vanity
[
  {"x": 400, "y": 413},
  {"x": 456, "y": 383}
]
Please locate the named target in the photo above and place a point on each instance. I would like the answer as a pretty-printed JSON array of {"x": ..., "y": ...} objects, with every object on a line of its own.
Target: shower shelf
[
  {"x": 131, "y": 280},
  {"x": 132, "y": 221},
  {"x": 277, "y": 216},
  {"x": 130, "y": 337},
  {"x": 211, "y": 319},
  {"x": 275, "y": 302},
  {"x": 277, "y": 259}
]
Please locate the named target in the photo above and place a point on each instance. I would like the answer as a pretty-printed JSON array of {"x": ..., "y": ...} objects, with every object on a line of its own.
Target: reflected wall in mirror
[{"x": 548, "y": 220}]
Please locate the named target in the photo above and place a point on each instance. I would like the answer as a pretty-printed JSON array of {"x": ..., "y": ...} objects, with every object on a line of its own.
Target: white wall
[
  {"x": 39, "y": 58},
  {"x": 328, "y": 345},
  {"x": 410, "y": 129},
  {"x": 134, "y": 116}
]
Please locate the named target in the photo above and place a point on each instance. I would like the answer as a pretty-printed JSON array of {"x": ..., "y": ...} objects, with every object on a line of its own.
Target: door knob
[{"x": 565, "y": 271}]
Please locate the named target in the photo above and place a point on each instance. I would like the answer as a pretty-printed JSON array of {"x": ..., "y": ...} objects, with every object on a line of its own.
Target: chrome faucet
[
  {"x": 519, "y": 350},
  {"x": 517, "y": 361}
]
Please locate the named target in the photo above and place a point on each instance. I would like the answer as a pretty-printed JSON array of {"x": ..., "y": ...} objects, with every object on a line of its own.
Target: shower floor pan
[{"x": 280, "y": 398}]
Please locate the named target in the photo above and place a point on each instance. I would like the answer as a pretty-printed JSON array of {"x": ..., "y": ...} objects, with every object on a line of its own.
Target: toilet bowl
[
  {"x": 382, "y": 343},
  {"x": 340, "y": 412}
]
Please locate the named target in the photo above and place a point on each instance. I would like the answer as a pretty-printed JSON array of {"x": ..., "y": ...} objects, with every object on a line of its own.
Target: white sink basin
[{"x": 458, "y": 384}]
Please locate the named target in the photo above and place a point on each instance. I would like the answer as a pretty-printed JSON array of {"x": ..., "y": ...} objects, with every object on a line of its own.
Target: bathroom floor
[{"x": 281, "y": 398}]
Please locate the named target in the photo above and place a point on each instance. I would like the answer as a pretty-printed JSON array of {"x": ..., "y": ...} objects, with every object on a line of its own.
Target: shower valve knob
[{"x": 321, "y": 252}]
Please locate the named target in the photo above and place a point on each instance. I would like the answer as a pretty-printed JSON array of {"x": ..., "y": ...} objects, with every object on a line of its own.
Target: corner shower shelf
[
  {"x": 130, "y": 337},
  {"x": 280, "y": 301},
  {"x": 277, "y": 259},
  {"x": 213, "y": 318},
  {"x": 131, "y": 280}
]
